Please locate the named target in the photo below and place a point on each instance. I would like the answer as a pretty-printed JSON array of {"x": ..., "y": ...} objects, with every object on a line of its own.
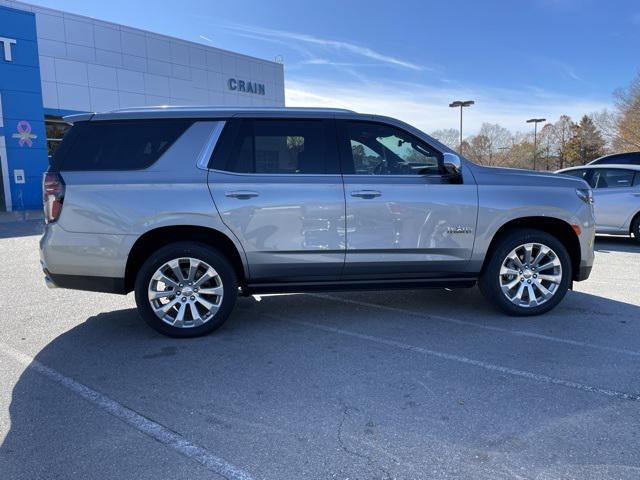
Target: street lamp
[
  {"x": 535, "y": 122},
  {"x": 461, "y": 104}
]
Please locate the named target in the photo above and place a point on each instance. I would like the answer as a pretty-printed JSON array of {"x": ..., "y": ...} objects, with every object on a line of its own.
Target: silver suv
[{"x": 190, "y": 207}]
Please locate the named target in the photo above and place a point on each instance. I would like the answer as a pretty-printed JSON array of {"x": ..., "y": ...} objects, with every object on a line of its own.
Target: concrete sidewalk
[
  {"x": 21, "y": 224},
  {"x": 22, "y": 216}
]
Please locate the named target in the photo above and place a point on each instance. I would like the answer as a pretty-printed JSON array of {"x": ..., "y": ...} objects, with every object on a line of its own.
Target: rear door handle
[
  {"x": 366, "y": 193},
  {"x": 241, "y": 194}
]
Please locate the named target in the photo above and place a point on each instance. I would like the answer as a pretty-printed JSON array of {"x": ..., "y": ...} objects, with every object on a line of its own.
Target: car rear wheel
[
  {"x": 186, "y": 289},
  {"x": 528, "y": 273}
]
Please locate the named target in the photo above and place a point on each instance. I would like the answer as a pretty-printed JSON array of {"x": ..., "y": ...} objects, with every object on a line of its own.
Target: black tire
[
  {"x": 489, "y": 282},
  {"x": 635, "y": 228},
  {"x": 197, "y": 251}
]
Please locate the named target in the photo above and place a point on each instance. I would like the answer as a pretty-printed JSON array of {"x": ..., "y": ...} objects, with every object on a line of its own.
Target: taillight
[{"x": 52, "y": 195}]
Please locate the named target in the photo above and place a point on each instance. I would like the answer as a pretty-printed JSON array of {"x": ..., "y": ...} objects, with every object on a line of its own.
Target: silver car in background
[{"x": 616, "y": 190}]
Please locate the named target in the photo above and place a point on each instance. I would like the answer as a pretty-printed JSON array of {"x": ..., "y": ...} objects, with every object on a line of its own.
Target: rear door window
[
  {"x": 612, "y": 178},
  {"x": 116, "y": 145},
  {"x": 278, "y": 146}
]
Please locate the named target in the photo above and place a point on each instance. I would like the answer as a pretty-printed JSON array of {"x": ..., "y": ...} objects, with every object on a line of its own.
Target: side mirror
[{"x": 452, "y": 163}]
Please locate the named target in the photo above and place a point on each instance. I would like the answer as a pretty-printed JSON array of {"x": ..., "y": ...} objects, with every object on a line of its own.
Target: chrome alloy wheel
[
  {"x": 530, "y": 275},
  {"x": 185, "y": 292}
]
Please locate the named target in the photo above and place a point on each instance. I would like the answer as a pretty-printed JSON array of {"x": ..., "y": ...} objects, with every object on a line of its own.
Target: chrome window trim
[
  {"x": 293, "y": 175},
  {"x": 207, "y": 150}
]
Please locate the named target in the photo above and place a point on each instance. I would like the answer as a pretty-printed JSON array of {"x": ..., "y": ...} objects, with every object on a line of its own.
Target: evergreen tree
[{"x": 585, "y": 144}]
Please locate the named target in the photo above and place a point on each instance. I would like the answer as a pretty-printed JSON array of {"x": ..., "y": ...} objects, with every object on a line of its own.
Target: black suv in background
[{"x": 627, "y": 158}]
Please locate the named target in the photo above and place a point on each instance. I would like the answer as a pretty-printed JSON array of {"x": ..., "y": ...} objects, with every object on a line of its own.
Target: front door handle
[
  {"x": 366, "y": 193},
  {"x": 241, "y": 194}
]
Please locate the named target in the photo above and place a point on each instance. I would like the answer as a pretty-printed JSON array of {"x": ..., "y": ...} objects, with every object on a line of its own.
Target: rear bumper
[
  {"x": 83, "y": 261},
  {"x": 82, "y": 282}
]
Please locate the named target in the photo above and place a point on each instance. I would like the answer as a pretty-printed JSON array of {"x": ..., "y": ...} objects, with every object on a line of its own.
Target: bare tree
[
  {"x": 494, "y": 137},
  {"x": 562, "y": 131},
  {"x": 449, "y": 136},
  {"x": 547, "y": 145},
  {"x": 477, "y": 148},
  {"x": 628, "y": 116}
]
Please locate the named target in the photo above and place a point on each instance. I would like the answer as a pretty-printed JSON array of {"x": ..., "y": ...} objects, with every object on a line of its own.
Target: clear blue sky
[{"x": 517, "y": 59}]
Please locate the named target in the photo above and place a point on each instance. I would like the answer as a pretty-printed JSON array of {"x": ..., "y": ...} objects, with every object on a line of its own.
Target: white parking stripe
[
  {"x": 468, "y": 361},
  {"x": 158, "y": 432},
  {"x": 519, "y": 333}
]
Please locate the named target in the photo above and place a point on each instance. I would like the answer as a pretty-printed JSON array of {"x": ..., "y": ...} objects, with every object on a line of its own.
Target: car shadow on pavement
[
  {"x": 610, "y": 243},
  {"x": 55, "y": 434},
  {"x": 21, "y": 229}
]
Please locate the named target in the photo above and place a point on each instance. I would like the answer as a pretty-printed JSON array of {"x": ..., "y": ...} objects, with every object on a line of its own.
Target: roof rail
[{"x": 229, "y": 109}]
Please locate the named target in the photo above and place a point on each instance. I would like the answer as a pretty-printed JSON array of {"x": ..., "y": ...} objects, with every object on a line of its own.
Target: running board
[{"x": 345, "y": 285}]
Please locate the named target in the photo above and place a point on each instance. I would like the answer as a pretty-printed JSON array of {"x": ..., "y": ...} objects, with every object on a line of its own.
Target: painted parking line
[
  {"x": 519, "y": 333},
  {"x": 540, "y": 378},
  {"x": 145, "y": 425}
]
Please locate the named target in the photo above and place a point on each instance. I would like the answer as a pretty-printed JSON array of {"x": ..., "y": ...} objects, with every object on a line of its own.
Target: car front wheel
[
  {"x": 635, "y": 228},
  {"x": 528, "y": 273},
  {"x": 186, "y": 289}
]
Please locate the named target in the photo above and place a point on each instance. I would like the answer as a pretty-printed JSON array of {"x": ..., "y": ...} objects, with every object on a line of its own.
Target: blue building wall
[{"x": 21, "y": 96}]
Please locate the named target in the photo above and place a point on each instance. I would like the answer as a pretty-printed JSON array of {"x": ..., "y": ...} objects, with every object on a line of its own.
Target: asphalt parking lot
[{"x": 406, "y": 384}]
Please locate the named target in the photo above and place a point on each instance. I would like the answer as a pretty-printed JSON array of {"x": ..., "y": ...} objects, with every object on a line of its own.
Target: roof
[
  {"x": 598, "y": 166},
  {"x": 164, "y": 111}
]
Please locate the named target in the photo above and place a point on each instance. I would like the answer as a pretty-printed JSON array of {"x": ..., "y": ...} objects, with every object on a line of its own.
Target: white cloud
[
  {"x": 340, "y": 46},
  {"x": 427, "y": 107}
]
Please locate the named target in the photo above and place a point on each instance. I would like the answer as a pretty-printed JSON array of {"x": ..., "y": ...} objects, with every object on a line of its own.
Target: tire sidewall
[
  {"x": 489, "y": 281},
  {"x": 635, "y": 228},
  {"x": 186, "y": 249}
]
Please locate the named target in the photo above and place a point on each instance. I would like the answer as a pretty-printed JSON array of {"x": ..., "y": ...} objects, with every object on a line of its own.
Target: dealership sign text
[
  {"x": 245, "y": 86},
  {"x": 6, "y": 47}
]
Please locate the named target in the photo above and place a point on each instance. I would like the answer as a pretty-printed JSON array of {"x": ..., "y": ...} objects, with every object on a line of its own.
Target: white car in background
[{"x": 616, "y": 192}]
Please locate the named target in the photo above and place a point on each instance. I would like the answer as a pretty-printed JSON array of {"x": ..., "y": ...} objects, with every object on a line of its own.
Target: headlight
[{"x": 585, "y": 194}]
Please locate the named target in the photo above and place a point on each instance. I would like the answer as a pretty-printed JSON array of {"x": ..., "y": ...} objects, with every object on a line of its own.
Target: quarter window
[
  {"x": 378, "y": 149},
  {"x": 116, "y": 145},
  {"x": 279, "y": 147}
]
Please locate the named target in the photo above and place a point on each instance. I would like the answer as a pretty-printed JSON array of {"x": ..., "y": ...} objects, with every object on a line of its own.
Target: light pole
[
  {"x": 461, "y": 104},
  {"x": 535, "y": 122}
]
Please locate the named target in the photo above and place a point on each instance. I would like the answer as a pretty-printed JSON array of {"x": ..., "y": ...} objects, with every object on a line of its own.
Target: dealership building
[{"x": 54, "y": 63}]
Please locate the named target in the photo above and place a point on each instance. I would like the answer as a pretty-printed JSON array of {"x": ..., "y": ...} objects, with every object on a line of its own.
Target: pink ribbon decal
[{"x": 24, "y": 134}]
